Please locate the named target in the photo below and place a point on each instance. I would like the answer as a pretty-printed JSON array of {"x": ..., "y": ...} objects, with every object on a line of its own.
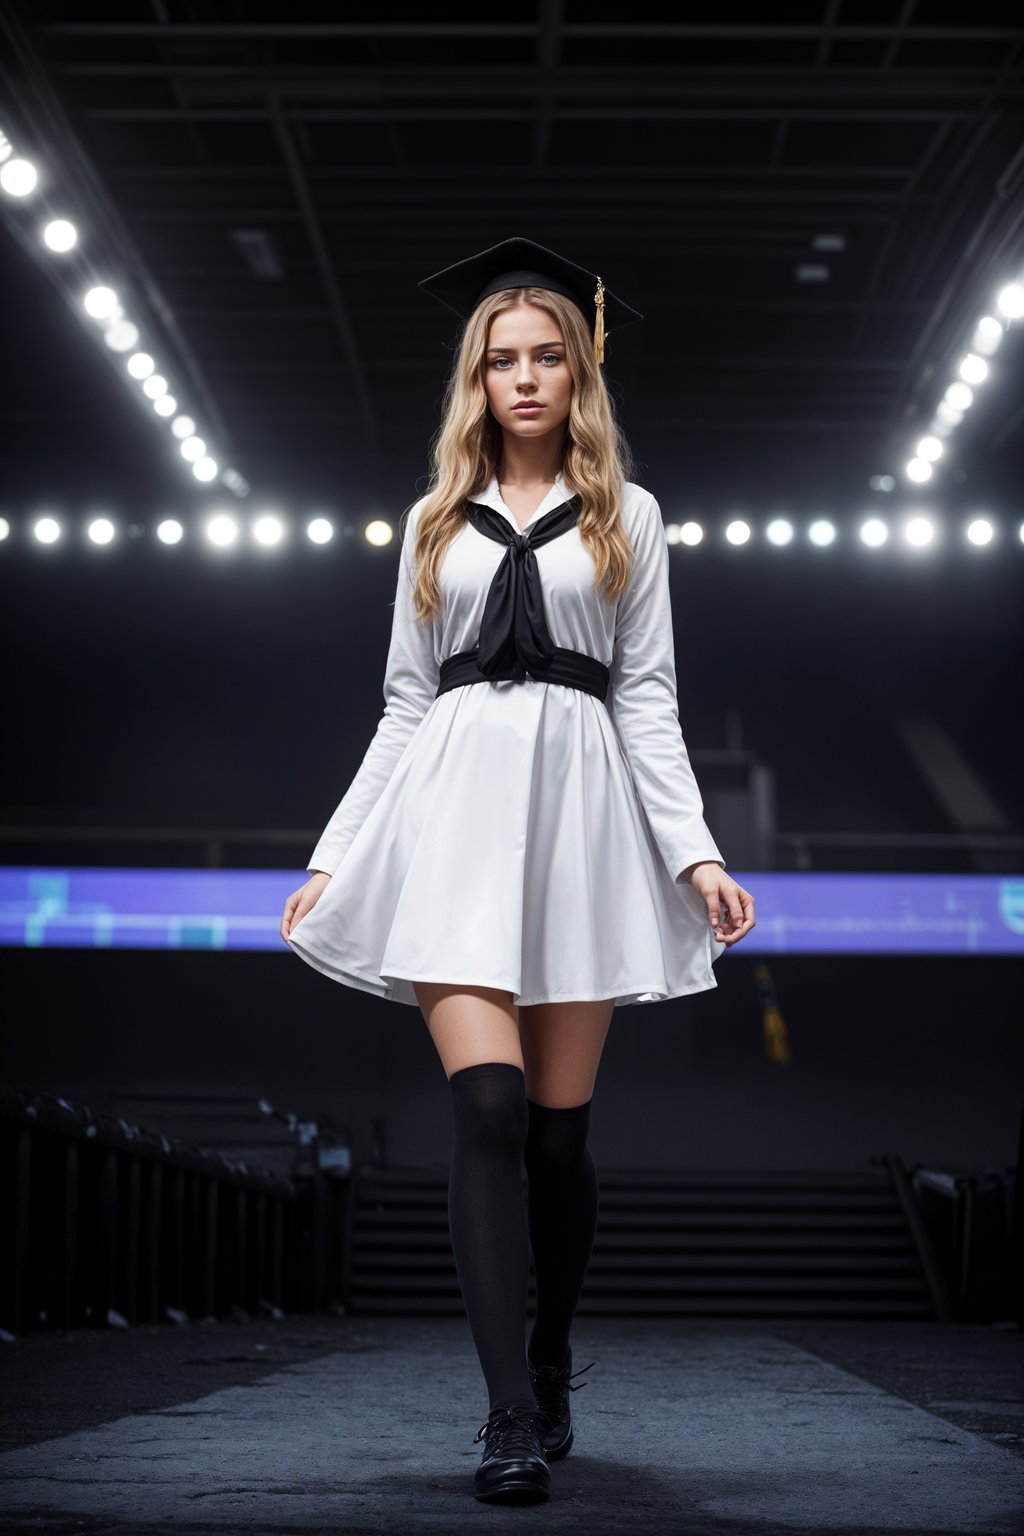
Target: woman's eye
[{"x": 553, "y": 355}]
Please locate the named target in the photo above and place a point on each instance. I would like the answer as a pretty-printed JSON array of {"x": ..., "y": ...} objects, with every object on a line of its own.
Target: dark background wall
[
  {"x": 917, "y": 1056},
  {"x": 180, "y": 686}
]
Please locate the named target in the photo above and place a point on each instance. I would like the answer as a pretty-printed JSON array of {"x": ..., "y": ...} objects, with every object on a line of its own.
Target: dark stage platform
[{"x": 365, "y": 1424}]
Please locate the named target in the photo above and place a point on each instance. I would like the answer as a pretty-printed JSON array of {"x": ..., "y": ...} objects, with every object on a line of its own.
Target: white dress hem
[{"x": 624, "y": 995}]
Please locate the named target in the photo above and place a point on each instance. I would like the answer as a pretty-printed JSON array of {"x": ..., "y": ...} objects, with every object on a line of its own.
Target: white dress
[{"x": 523, "y": 834}]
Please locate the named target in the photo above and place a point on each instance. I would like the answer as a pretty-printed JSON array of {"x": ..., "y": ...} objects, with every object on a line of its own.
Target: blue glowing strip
[{"x": 797, "y": 914}]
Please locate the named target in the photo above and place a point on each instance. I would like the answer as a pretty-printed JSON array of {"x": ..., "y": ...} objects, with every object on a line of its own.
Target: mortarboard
[{"x": 520, "y": 263}]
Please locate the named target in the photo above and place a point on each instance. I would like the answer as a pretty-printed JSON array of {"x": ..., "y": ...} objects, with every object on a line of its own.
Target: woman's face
[{"x": 525, "y": 364}]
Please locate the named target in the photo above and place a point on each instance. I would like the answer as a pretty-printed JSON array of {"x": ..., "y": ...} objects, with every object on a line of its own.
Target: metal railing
[
  {"x": 791, "y": 849},
  {"x": 107, "y": 1223},
  {"x": 971, "y": 1219}
]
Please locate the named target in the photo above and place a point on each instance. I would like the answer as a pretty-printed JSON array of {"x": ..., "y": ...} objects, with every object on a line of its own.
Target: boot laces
[
  {"x": 552, "y": 1381},
  {"x": 511, "y": 1428}
]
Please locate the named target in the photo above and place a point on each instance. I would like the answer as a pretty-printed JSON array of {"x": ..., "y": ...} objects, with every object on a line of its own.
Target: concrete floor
[{"x": 356, "y": 1424}]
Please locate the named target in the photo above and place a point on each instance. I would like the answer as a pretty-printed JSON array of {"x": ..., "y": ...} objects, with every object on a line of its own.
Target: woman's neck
[{"x": 529, "y": 465}]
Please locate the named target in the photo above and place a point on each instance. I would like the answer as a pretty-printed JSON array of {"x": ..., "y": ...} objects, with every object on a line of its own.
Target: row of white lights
[
  {"x": 19, "y": 179},
  {"x": 223, "y": 530},
  {"x": 972, "y": 370},
  {"x": 919, "y": 532}
]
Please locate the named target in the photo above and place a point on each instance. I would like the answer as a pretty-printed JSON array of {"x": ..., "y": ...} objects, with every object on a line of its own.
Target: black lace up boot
[
  {"x": 514, "y": 1468},
  {"x": 551, "y": 1387}
]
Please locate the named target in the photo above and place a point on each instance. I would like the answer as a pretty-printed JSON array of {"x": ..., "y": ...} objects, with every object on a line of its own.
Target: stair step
[{"x": 670, "y": 1243}]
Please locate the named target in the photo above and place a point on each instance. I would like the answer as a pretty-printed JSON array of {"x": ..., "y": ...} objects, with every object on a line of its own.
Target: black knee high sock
[
  {"x": 562, "y": 1215},
  {"x": 487, "y": 1221}
]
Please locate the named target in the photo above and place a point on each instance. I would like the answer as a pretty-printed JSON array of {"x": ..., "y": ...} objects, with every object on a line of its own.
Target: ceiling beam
[
  {"x": 525, "y": 111},
  {"x": 614, "y": 31},
  {"x": 337, "y": 307}
]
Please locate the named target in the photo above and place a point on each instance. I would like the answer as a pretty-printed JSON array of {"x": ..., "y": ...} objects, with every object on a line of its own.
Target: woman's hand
[
  {"x": 730, "y": 907},
  {"x": 302, "y": 901}
]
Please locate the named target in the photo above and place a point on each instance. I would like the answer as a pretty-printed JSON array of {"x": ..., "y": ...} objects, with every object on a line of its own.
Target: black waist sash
[{"x": 514, "y": 637}]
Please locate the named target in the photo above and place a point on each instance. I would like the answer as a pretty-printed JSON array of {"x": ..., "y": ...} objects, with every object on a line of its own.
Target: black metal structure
[{"x": 107, "y": 1223}]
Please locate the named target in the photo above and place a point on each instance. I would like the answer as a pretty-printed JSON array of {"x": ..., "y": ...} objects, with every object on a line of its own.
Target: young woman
[{"x": 523, "y": 845}]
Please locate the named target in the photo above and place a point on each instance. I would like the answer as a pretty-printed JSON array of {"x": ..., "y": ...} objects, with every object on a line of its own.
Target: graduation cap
[{"x": 520, "y": 263}]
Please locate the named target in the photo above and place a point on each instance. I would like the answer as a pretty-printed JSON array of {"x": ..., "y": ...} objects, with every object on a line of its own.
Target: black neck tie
[{"x": 513, "y": 631}]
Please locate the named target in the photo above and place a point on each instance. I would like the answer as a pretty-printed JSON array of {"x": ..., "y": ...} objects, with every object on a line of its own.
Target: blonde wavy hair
[{"x": 466, "y": 447}]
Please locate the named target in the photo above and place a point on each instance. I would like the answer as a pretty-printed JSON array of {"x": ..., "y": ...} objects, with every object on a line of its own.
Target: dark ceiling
[{"x": 810, "y": 211}]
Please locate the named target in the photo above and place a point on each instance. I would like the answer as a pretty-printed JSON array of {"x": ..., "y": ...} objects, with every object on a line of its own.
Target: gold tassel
[
  {"x": 776, "y": 1036},
  {"x": 599, "y": 327}
]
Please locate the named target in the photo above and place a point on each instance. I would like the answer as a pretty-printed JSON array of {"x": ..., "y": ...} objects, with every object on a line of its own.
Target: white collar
[{"x": 491, "y": 497}]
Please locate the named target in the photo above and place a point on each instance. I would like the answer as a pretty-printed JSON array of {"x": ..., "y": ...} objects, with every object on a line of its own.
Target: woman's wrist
[{"x": 687, "y": 873}]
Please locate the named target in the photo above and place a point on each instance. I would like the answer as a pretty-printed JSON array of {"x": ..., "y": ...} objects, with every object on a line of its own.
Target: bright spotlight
[
  {"x": 60, "y": 235},
  {"x": 822, "y": 532},
  {"x": 919, "y": 471},
  {"x": 140, "y": 365},
  {"x": 378, "y": 532},
  {"x": 222, "y": 530},
  {"x": 1011, "y": 300},
  {"x": 919, "y": 531},
  {"x": 121, "y": 336},
  {"x": 319, "y": 531},
  {"x": 101, "y": 530},
  {"x": 973, "y": 369},
  {"x": 5, "y": 529},
  {"x": 268, "y": 530},
  {"x": 165, "y": 406},
  {"x": 988, "y": 336},
  {"x": 155, "y": 386},
  {"x": 980, "y": 531},
  {"x": 691, "y": 533},
  {"x": 18, "y": 178},
  {"x": 170, "y": 531},
  {"x": 960, "y": 396},
  {"x": 929, "y": 448},
  {"x": 192, "y": 449},
  {"x": 737, "y": 532},
  {"x": 47, "y": 530},
  {"x": 183, "y": 426},
  {"x": 779, "y": 530},
  {"x": 873, "y": 532},
  {"x": 205, "y": 469},
  {"x": 100, "y": 303},
  {"x": 672, "y": 533}
]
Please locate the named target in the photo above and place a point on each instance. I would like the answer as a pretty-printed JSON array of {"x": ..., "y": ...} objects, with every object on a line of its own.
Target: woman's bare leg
[
  {"x": 558, "y": 1045},
  {"x": 562, "y": 1046},
  {"x": 561, "y": 1049},
  {"x": 470, "y": 1024}
]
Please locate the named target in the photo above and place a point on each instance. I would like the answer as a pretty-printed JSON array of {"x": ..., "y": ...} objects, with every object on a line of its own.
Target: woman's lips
[{"x": 527, "y": 410}]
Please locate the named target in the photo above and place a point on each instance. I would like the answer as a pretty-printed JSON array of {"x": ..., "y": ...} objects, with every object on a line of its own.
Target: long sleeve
[
  {"x": 410, "y": 685},
  {"x": 645, "y": 707}
]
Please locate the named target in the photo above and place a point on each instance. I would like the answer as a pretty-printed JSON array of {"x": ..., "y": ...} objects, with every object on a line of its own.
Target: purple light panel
[{"x": 797, "y": 914}]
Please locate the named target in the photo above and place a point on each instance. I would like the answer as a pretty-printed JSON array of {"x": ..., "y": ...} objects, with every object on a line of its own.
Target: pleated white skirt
[{"x": 509, "y": 849}]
